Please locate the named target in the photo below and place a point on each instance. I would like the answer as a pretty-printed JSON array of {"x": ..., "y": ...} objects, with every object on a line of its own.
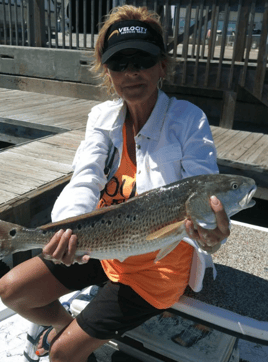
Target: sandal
[
  {"x": 45, "y": 344},
  {"x": 191, "y": 335},
  {"x": 33, "y": 337}
]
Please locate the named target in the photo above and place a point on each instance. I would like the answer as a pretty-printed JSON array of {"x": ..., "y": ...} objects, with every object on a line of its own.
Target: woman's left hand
[
  {"x": 210, "y": 240},
  {"x": 62, "y": 247}
]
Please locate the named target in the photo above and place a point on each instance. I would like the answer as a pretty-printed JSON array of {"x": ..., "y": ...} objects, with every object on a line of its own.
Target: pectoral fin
[
  {"x": 165, "y": 251},
  {"x": 121, "y": 259},
  {"x": 166, "y": 231}
]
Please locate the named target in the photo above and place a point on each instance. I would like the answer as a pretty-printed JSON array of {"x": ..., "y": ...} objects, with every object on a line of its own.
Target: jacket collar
[
  {"x": 112, "y": 120},
  {"x": 154, "y": 124}
]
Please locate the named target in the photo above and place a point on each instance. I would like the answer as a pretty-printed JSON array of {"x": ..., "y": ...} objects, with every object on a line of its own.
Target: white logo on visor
[{"x": 132, "y": 30}]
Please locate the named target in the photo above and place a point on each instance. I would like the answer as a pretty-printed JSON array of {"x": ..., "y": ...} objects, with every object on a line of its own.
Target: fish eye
[{"x": 234, "y": 186}]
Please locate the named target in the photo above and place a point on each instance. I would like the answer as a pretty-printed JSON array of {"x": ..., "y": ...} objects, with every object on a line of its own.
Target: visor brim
[{"x": 147, "y": 47}]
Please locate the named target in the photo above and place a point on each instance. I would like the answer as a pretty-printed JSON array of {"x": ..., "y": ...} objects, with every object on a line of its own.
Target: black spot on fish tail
[{"x": 13, "y": 232}]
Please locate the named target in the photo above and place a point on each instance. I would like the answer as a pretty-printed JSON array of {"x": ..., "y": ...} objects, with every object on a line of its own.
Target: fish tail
[{"x": 7, "y": 232}]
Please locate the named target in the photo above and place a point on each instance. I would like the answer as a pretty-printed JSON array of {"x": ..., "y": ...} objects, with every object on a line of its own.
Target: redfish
[{"x": 151, "y": 221}]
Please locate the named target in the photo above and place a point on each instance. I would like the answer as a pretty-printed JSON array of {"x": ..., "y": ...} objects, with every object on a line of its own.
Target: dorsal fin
[{"x": 92, "y": 214}]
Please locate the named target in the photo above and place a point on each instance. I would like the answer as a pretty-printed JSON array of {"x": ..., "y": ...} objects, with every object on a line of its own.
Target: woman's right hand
[{"x": 62, "y": 247}]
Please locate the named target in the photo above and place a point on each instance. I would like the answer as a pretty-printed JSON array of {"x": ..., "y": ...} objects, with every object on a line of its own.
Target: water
[
  {"x": 256, "y": 215},
  {"x": 5, "y": 144}
]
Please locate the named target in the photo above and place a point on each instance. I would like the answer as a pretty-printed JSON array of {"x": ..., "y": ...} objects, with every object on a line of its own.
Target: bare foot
[{"x": 40, "y": 351}]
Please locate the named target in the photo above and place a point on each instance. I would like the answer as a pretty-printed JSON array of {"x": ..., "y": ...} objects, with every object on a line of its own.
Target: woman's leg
[
  {"x": 32, "y": 291},
  {"x": 73, "y": 344},
  {"x": 116, "y": 309}
]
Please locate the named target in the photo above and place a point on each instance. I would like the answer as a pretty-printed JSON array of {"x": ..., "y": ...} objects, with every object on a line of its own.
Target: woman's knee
[
  {"x": 58, "y": 354},
  {"x": 9, "y": 288},
  {"x": 29, "y": 281},
  {"x": 60, "y": 351},
  {"x": 73, "y": 344}
]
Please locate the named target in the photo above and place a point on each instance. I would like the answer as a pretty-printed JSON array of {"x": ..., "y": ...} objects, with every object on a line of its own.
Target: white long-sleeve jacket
[{"x": 176, "y": 142}]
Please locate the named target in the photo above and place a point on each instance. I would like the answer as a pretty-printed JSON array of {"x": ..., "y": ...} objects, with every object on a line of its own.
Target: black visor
[{"x": 132, "y": 34}]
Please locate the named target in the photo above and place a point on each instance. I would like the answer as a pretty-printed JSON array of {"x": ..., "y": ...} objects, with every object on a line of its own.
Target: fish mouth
[{"x": 247, "y": 201}]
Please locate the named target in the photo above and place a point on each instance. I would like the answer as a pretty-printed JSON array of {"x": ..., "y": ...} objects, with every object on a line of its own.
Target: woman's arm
[
  {"x": 200, "y": 157},
  {"x": 81, "y": 195}
]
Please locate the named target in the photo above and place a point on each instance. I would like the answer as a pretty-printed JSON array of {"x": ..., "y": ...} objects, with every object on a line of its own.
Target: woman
[{"x": 139, "y": 142}]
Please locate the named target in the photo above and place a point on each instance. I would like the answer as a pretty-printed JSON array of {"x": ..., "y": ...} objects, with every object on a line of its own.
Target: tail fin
[{"x": 8, "y": 231}]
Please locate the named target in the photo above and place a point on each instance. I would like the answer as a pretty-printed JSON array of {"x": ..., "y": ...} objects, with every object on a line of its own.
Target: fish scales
[
  {"x": 127, "y": 226},
  {"x": 149, "y": 222}
]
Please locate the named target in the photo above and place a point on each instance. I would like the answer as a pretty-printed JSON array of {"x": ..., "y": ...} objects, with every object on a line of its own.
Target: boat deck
[{"x": 236, "y": 300}]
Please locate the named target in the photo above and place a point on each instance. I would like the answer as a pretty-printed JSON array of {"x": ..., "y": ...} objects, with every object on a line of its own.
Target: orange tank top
[{"x": 162, "y": 283}]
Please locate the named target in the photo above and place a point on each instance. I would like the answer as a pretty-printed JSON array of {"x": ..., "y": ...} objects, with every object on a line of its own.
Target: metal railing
[
  {"x": 49, "y": 23},
  {"x": 12, "y": 22},
  {"x": 220, "y": 43},
  {"x": 191, "y": 23}
]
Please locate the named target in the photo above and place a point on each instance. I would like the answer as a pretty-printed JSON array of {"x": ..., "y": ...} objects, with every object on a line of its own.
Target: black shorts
[{"x": 116, "y": 309}]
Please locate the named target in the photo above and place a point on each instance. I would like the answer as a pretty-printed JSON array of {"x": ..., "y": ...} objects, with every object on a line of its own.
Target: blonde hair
[{"x": 126, "y": 12}]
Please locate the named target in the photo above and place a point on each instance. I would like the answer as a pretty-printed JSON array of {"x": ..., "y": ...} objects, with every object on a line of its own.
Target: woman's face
[{"x": 137, "y": 86}]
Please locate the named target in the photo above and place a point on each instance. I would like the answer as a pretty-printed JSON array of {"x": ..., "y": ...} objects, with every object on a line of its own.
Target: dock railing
[{"x": 218, "y": 44}]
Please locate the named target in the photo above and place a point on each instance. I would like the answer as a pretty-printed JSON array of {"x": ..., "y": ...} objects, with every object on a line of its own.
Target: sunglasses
[{"x": 139, "y": 61}]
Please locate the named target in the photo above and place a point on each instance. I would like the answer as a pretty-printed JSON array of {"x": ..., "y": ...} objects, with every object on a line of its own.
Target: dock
[
  {"x": 39, "y": 135},
  {"x": 243, "y": 153},
  {"x": 32, "y": 165},
  {"x": 34, "y": 171}
]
